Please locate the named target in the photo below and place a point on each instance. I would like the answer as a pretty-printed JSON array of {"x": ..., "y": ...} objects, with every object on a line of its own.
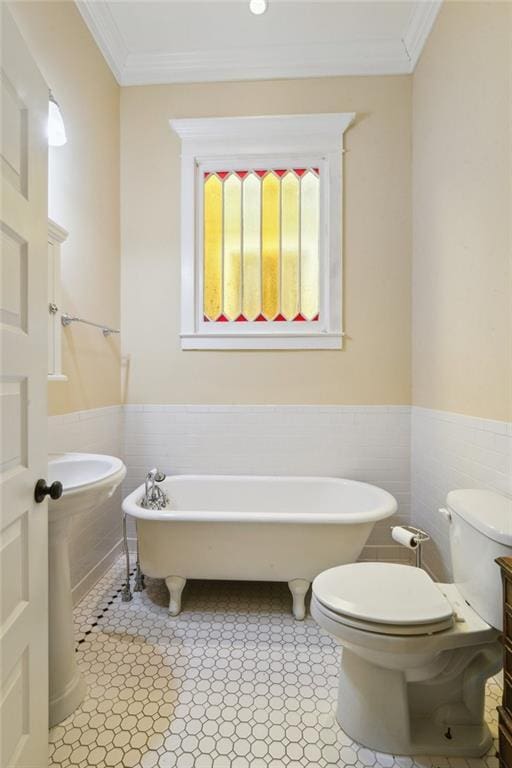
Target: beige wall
[
  {"x": 83, "y": 197},
  {"x": 462, "y": 294},
  {"x": 374, "y": 367}
]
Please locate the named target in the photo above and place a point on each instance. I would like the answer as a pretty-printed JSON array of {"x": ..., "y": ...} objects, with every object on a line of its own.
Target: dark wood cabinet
[{"x": 505, "y": 711}]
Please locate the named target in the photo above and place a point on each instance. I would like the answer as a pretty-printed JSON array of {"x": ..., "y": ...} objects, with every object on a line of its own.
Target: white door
[{"x": 23, "y": 338}]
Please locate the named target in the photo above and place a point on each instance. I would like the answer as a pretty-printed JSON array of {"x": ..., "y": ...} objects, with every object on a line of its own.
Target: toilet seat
[
  {"x": 384, "y": 598},
  {"x": 392, "y": 630}
]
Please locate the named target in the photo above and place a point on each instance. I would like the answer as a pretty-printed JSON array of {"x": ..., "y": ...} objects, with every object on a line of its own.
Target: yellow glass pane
[
  {"x": 290, "y": 187},
  {"x": 252, "y": 246},
  {"x": 270, "y": 244},
  {"x": 309, "y": 237},
  {"x": 212, "y": 302},
  {"x": 232, "y": 246}
]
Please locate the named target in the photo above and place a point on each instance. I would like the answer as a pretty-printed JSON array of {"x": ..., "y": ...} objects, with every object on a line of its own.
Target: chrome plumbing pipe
[{"x": 126, "y": 594}]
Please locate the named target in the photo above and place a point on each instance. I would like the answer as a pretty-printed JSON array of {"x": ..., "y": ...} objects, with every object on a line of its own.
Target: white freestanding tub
[{"x": 255, "y": 528}]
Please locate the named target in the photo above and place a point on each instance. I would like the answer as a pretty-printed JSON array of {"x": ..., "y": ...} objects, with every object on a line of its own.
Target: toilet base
[{"x": 444, "y": 715}]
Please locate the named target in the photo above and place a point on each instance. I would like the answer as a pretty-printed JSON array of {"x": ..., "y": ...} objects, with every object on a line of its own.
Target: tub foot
[
  {"x": 175, "y": 585},
  {"x": 299, "y": 588}
]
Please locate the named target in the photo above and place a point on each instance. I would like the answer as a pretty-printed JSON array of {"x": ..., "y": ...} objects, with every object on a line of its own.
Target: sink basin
[{"x": 88, "y": 480}]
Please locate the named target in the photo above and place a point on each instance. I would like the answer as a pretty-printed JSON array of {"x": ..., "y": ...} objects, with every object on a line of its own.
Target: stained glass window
[{"x": 261, "y": 233}]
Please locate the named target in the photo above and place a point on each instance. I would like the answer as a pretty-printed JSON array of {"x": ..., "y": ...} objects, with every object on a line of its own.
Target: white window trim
[{"x": 302, "y": 140}]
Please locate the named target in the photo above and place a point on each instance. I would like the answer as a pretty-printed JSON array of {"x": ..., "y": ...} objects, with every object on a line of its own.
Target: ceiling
[{"x": 177, "y": 41}]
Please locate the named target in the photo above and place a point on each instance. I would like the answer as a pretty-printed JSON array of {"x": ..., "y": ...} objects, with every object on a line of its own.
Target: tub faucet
[{"x": 154, "y": 497}]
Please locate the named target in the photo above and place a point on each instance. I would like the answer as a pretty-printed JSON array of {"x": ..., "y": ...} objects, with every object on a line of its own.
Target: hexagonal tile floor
[{"x": 232, "y": 682}]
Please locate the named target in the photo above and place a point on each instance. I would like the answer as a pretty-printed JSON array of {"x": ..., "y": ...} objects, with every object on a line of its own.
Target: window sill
[{"x": 262, "y": 341}]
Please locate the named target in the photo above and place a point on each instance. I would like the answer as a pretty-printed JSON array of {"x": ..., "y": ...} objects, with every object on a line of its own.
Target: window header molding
[
  {"x": 275, "y": 133},
  {"x": 279, "y": 141}
]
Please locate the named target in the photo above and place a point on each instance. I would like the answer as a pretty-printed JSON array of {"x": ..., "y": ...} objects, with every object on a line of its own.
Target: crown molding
[
  {"x": 352, "y": 57},
  {"x": 364, "y": 57},
  {"x": 420, "y": 25},
  {"x": 106, "y": 33}
]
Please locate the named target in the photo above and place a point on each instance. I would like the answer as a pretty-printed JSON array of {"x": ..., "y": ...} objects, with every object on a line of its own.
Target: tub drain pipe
[
  {"x": 139, "y": 576},
  {"x": 126, "y": 594}
]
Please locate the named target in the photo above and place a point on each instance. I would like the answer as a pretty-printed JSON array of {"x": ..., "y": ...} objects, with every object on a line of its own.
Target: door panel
[
  {"x": 14, "y": 136},
  {"x": 23, "y": 410},
  {"x": 13, "y": 309}
]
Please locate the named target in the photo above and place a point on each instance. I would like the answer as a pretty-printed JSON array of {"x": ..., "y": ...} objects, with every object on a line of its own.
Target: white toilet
[{"x": 417, "y": 654}]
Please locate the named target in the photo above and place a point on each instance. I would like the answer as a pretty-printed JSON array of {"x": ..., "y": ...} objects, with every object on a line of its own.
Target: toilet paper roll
[{"x": 405, "y": 537}]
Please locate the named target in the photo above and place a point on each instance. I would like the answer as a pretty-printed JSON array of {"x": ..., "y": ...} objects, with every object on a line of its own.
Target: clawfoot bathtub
[{"x": 255, "y": 529}]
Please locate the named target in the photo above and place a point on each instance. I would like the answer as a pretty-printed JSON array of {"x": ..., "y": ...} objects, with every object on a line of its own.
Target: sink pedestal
[
  {"x": 87, "y": 480},
  {"x": 67, "y": 687}
]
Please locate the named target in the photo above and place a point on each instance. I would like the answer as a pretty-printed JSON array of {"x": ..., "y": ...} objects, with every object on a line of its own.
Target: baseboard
[
  {"x": 95, "y": 574},
  {"x": 431, "y": 572},
  {"x": 391, "y": 553}
]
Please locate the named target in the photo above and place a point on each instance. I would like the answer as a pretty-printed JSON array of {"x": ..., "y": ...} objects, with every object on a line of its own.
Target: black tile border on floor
[{"x": 103, "y": 612}]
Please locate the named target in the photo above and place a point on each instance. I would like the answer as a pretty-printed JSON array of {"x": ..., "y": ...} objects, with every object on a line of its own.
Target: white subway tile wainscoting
[
  {"x": 233, "y": 682},
  {"x": 368, "y": 443},
  {"x": 416, "y": 454},
  {"x": 449, "y": 451},
  {"x": 363, "y": 443}
]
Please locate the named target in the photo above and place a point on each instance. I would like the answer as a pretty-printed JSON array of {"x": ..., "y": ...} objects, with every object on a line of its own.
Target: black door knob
[{"x": 54, "y": 491}]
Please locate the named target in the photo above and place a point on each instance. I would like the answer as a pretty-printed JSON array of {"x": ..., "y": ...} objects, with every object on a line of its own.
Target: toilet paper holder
[{"x": 410, "y": 537}]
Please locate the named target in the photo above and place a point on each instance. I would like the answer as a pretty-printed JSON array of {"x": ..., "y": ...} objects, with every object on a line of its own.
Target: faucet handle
[{"x": 156, "y": 475}]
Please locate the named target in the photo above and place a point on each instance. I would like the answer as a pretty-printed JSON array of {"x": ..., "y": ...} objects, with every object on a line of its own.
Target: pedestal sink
[{"x": 87, "y": 480}]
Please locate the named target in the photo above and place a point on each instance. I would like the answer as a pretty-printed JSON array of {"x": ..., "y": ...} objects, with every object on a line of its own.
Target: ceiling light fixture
[
  {"x": 56, "y": 130},
  {"x": 258, "y": 6}
]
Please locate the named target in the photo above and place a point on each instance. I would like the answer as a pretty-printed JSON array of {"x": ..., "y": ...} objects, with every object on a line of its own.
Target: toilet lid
[{"x": 382, "y": 593}]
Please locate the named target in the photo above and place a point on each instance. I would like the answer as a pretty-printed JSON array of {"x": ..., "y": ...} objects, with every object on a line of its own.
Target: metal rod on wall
[{"x": 105, "y": 329}]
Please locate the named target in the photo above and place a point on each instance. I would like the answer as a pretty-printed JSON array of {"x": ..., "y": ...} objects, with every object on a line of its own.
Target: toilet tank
[{"x": 480, "y": 531}]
